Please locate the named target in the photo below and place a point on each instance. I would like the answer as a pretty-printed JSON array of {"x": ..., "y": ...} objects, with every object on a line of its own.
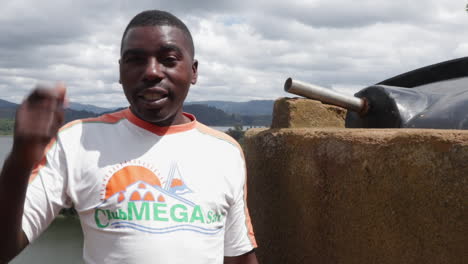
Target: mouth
[
  {"x": 153, "y": 95},
  {"x": 153, "y": 98}
]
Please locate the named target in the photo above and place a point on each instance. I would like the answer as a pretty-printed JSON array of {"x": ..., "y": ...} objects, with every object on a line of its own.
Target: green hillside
[
  {"x": 8, "y": 112},
  {"x": 6, "y": 126}
]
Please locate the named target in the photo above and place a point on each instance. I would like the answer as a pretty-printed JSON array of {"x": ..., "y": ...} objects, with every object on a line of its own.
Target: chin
[
  {"x": 158, "y": 119},
  {"x": 155, "y": 118},
  {"x": 164, "y": 116}
]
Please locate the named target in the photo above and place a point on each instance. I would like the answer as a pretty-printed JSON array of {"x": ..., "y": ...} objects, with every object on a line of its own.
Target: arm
[
  {"x": 239, "y": 238},
  {"x": 248, "y": 258},
  {"x": 38, "y": 119}
]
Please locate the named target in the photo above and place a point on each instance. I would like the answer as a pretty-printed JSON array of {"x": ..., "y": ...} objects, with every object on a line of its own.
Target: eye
[
  {"x": 135, "y": 59},
  {"x": 169, "y": 61}
]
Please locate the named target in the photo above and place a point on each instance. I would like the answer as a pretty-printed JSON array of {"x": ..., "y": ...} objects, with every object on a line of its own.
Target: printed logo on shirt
[{"x": 136, "y": 196}]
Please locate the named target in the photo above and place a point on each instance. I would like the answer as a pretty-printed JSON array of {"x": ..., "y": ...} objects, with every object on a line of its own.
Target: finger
[
  {"x": 47, "y": 98},
  {"x": 41, "y": 100},
  {"x": 45, "y": 104},
  {"x": 61, "y": 91},
  {"x": 43, "y": 91}
]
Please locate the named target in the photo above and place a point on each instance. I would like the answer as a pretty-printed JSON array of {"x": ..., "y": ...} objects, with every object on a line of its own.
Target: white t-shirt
[{"x": 144, "y": 194}]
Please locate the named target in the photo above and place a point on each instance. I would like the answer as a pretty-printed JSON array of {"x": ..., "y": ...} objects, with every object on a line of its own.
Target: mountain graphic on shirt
[
  {"x": 143, "y": 191},
  {"x": 123, "y": 179},
  {"x": 175, "y": 183}
]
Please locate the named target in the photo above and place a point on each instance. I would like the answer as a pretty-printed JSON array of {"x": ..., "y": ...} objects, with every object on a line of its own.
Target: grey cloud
[{"x": 340, "y": 14}]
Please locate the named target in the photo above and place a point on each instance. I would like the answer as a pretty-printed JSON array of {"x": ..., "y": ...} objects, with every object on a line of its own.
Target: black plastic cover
[{"x": 436, "y": 102}]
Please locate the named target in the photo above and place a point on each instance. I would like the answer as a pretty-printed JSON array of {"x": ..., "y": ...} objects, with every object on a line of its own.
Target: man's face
[{"x": 156, "y": 71}]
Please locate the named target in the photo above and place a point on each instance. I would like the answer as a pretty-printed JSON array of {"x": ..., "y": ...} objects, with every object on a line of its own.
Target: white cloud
[{"x": 246, "y": 49}]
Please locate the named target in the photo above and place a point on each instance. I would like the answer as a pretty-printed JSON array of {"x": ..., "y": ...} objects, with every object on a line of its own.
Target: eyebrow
[
  {"x": 171, "y": 47},
  {"x": 135, "y": 51},
  {"x": 163, "y": 48}
]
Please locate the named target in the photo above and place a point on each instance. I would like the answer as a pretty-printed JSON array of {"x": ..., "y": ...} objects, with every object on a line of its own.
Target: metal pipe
[{"x": 326, "y": 95}]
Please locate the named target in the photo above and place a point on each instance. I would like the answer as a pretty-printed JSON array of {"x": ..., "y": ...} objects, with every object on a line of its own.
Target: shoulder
[
  {"x": 217, "y": 136},
  {"x": 91, "y": 128},
  {"x": 109, "y": 118}
]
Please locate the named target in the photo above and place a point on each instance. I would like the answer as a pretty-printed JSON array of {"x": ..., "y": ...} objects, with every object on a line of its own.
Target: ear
[
  {"x": 194, "y": 71},
  {"x": 120, "y": 81}
]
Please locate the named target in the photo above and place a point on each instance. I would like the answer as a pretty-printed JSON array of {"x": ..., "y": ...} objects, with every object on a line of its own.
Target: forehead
[{"x": 152, "y": 37}]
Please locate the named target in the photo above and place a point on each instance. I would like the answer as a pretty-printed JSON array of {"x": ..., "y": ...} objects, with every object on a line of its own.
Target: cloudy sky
[{"x": 246, "y": 49}]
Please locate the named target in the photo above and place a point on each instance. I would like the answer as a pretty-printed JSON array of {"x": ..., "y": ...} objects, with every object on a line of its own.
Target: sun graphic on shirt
[{"x": 127, "y": 176}]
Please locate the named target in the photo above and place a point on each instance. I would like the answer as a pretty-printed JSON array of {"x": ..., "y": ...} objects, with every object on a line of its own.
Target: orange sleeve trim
[
  {"x": 43, "y": 161},
  {"x": 248, "y": 222},
  {"x": 218, "y": 134},
  {"x": 223, "y": 136}
]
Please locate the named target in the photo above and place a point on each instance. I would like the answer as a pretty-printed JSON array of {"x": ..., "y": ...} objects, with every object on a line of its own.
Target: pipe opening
[{"x": 288, "y": 84}]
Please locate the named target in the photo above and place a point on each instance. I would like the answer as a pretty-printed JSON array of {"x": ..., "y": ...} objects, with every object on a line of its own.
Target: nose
[{"x": 153, "y": 69}]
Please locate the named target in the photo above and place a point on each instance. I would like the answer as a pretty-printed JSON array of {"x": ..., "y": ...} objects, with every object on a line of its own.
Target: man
[{"x": 150, "y": 183}]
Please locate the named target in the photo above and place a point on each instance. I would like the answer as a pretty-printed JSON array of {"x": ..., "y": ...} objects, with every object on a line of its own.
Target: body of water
[
  {"x": 61, "y": 243},
  {"x": 5, "y": 147},
  {"x": 226, "y": 128}
]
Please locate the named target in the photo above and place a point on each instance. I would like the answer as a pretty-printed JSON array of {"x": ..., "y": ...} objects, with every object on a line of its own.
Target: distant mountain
[
  {"x": 114, "y": 110},
  {"x": 6, "y": 104},
  {"x": 88, "y": 107},
  {"x": 255, "y": 107},
  {"x": 213, "y": 116},
  {"x": 8, "y": 111},
  {"x": 252, "y": 108},
  {"x": 71, "y": 114},
  {"x": 209, "y": 115}
]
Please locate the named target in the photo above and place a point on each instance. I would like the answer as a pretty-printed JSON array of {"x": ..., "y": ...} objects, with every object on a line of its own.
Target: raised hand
[{"x": 38, "y": 119}]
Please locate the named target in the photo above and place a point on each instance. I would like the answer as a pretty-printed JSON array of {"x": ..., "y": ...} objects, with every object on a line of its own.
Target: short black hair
[{"x": 158, "y": 18}]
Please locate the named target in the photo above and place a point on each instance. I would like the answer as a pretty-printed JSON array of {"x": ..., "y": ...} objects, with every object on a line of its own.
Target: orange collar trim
[{"x": 158, "y": 130}]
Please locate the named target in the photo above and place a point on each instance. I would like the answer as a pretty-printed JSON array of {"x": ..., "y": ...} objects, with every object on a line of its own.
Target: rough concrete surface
[
  {"x": 300, "y": 112},
  {"x": 325, "y": 195}
]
